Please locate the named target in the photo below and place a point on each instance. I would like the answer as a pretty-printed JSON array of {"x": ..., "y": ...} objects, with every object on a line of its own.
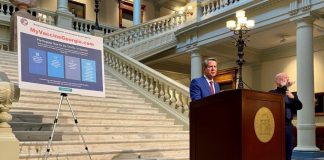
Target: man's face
[
  {"x": 211, "y": 70},
  {"x": 284, "y": 81}
]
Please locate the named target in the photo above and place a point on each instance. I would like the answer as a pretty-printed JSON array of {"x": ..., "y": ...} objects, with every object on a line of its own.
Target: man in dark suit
[
  {"x": 205, "y": 86},
  {"x": 292, "y": 104}
]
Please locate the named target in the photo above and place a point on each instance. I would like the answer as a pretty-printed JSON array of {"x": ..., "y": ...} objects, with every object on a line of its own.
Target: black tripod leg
[
  {"x": 77, "y": 125},
  {"x": 55, "y": 123}
]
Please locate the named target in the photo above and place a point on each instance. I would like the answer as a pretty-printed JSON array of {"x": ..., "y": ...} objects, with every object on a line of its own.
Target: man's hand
[{"x": 290, "y": 95}]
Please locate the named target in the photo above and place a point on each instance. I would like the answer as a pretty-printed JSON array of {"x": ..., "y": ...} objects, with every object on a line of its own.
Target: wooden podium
[{"x": 238, "y": 125}]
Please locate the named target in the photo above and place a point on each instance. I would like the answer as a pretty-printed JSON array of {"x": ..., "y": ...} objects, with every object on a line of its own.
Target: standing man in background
[
  {"x": 292, "y": 104},
  {"x": 205, "y": 86}
]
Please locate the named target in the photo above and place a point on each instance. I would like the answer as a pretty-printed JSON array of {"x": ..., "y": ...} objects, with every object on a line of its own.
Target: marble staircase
[{"x": 121, "y": 126}]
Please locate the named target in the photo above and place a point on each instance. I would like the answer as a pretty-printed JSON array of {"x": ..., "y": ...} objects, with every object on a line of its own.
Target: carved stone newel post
[{"x": 9, "y": 145}]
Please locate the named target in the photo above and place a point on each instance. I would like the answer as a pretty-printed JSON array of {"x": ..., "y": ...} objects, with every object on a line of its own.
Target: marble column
[
  {"x": 137, "y": 12},
  {"x": 196, "y": 62},
  {"x": 62, "y": 5},
  {"x": 305, "y": 85},
  {"x": 64, "y": 17}
]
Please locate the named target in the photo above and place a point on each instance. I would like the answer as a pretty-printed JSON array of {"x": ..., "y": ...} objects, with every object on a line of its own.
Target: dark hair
[{"x": 205, "y": 62}]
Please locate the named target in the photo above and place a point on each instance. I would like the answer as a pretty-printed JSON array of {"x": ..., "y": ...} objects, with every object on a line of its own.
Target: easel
[{"x": 55, "y": 123}]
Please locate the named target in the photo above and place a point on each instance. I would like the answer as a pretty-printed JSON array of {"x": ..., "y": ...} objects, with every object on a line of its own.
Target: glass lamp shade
[
  {"x": 250, "y": 24},
  {"x": 240, "y": 13},
  {"x": 241, "y": 21},
  {"x": 231, "y": 24},
  {"x": 189, "y": 8}
]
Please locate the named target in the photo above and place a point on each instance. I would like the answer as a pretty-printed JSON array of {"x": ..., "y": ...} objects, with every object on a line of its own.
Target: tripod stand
[{"x": 55, "y": 123}]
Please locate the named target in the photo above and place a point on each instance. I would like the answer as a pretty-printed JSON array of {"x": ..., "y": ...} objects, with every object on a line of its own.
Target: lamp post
[
  {"x": 97, "y": 27},
  {"x": 240, "y": 29}
]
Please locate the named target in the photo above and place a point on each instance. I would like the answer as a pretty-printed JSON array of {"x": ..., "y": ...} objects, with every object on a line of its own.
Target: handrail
[
  {"x": 210, "y": 7},
  {"x": 84, "y": 25},
  {"x": 168, "y": 91},
  {"x": 145, "y": 23},
  {"x": 145, "y": 30}
]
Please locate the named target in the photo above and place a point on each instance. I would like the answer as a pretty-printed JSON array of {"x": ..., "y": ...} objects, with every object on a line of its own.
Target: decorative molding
[
  {"x": 293, "y": 7},
  {"x": 298, "y": 7},
  {"x": 306, "y": 5}
]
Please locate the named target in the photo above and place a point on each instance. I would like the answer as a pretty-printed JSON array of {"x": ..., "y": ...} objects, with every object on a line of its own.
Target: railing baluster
[
  {"x": 167, "y": 94},
  {"x": 156, "y": 88},
  {"x": 5, "y": 9},
  {"x": 186, "y": 106},
  {"x": 179, "y": 105},
  {"x": 1, "y": 10},
  {"x": 173, "y": 99},
  {"x": 151, "y": 89},
  {"x": 161, "y": 91},
  {"x": 142, "y": 80}
]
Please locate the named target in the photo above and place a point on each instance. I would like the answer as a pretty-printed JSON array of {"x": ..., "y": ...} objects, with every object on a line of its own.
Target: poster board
[{"x": 59, "y": 60}]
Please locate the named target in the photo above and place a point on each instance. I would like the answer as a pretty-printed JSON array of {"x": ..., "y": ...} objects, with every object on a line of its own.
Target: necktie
[{"x": 211, "y": 85}]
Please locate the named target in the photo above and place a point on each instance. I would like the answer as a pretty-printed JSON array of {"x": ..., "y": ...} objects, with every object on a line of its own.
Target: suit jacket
[
  {"x": 291, "y": 105},
  {"x": 199, "y": 88}
]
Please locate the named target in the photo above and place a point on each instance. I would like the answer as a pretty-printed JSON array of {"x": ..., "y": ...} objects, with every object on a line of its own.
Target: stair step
[
  {"x": 72, "y": 97},
  {"x": 73, "y": 101},
  {"x": 67, "y": 113},
  {"x": 91, "y": 120},
  {"x": 104, "y": 106},
  {"x": 133, "y": 154},
  {"x": 72, "y": 146},
  {"x": 29, "y": 126},
  {"x": 65, "y": 108},
  {"x": 21, "y": 116},
  {"x": 35, "y": 110},
  {"x": 90, "y": 136},
  {"x": 121, "y": 126}
]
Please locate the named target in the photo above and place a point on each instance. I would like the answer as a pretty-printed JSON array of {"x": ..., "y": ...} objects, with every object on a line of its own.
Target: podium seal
[{"x": 264, "y": 124}]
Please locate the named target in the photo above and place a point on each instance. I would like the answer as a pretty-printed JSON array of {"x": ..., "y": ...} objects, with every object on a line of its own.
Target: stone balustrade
[
  {"x": 4, "y": 46},
  {"x": 151, "y": 46},
  {"x": 169, "y": 92},
  {"x": 85, "y": 26},
  {"x": 44, "y": 16},
  {"x": 137, "y": 33},
  {"x": 209, "y": 7},
  {"x": 6, "y": 8},
  {"x": 48, "y": 17}
]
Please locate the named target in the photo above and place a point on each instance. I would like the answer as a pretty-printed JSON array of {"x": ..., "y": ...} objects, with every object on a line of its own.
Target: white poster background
[{"x": 67, "y": 37}]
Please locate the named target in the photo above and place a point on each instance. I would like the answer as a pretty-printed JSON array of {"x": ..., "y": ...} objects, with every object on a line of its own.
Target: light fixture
[
  {"x": 186, "y": 10},
  {"x": 240, "y": 27},
  {"x": 97, "y": 27}
]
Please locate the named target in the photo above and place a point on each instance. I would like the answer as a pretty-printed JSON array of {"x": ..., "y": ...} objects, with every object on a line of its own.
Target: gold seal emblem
[{"x": 264, "y": 124}]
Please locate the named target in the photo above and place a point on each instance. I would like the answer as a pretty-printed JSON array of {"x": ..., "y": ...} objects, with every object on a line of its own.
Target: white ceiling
[{"x": 171, "y": 4}]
